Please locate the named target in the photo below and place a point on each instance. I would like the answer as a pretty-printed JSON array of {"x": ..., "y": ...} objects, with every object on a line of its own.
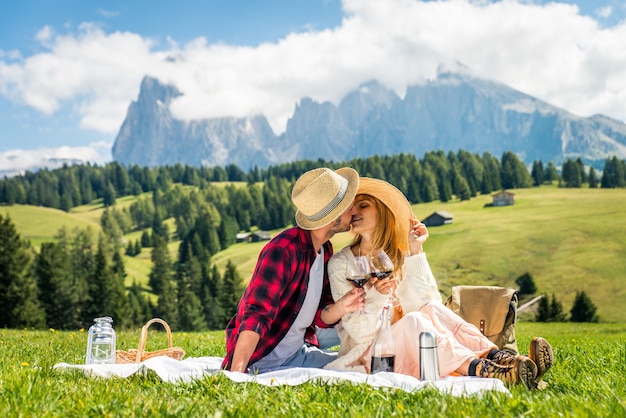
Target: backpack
[{"x": 492, "y": 309}]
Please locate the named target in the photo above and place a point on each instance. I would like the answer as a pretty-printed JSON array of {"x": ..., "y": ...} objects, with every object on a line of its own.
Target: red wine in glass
[
  {"x": 358, "y": 273},
  {"x": 380, "y": 274},
  {"x": 357, "y": 281}
]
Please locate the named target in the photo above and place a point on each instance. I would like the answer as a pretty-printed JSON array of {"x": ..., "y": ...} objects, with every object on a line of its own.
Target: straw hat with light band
[
  {"x": 322, "y": 195},
  {"x": 395, "y": 200}
]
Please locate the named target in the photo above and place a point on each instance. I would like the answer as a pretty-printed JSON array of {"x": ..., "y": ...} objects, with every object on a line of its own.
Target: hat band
[{"x": 343, "y": 187}]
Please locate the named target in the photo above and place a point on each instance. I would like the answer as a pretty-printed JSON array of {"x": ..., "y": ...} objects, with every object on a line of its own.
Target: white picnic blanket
[{"x": 174, "y": 371}]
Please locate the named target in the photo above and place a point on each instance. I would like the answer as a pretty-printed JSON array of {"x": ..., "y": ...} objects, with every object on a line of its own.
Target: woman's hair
[{"x": 384, "y": 235}]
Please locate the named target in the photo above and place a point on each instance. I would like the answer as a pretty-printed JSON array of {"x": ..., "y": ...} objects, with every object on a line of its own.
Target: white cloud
[
  {"x": 604, "y": 12},
  {"x": 18, "y": 160},
  {"x": 98, "y": 74},
  {"x": 549, "y": 51},
  {"x": 108, "y": 14}
]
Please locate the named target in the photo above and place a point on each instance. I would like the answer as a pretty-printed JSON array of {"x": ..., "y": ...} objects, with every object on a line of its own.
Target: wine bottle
[{"x": 383, "y": 347}]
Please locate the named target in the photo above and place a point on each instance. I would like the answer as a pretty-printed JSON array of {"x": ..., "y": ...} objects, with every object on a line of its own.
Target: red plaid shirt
[{"x": 276, "y": 292}]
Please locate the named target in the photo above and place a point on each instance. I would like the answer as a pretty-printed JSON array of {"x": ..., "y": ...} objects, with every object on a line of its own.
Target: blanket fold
[{"x": 175, "y": 371}]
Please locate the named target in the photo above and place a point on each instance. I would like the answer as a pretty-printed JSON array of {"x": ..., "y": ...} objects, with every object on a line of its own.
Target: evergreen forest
[{"x": 66, "y": 283}]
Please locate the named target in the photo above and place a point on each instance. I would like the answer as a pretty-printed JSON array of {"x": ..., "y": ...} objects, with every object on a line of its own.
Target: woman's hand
[
  {"x": 385, "y": 286},
  {"x": 418, "y": 234}
]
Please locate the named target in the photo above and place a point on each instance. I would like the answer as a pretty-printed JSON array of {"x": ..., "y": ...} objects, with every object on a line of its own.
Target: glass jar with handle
[{"x": 101, "y": 342}]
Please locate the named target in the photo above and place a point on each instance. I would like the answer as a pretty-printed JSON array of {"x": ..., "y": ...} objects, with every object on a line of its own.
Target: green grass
[
  {"x": 569, "y": 240},
  {"x": 587, "y": 380},
  {"x": 39, "y": 224}
]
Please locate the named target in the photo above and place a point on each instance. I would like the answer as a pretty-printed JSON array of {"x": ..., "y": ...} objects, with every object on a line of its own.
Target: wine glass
[
  {"x": 381, "y": 267},
  {"x": 358, "y": 273}
]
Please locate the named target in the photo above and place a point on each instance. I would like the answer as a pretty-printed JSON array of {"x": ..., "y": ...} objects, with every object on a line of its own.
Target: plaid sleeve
[{"x": 262, "y": 298}]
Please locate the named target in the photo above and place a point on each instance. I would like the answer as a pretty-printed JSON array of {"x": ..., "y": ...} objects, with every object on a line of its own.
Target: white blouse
[{"x": 356, "y": 332}]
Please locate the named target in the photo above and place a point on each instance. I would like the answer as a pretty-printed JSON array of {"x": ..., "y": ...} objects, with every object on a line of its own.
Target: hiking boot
[
  {"x": 523, "y": 371},
  {"x": 504, "y": 358},
  {"x": 541, "y": 353}
]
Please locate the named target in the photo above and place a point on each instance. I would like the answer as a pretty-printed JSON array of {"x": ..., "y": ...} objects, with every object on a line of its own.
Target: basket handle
[{"x": 144, "y": 337}]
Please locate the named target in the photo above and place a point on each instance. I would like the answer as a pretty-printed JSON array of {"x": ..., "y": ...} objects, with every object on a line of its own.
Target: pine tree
[
  {"x": 190, "y": 312},
  {"x": 120, "y": 302},
  {"x": 18, "y": 289},
  {"x": 514, "y": 174},
  {"x": 572, "y": 176},
  {"x": 212, "y": 291},
  {"x": 460, "y": 187},
  {"x": 491, "y": 175},
  {"x": 167, "y": 305},
  {"x": 583, "y": 309},
  {"x": 526, "y": 284},
  {"x": 101, "y": 287},
  {"x": 57, "y": 295},
  {"x": 108, "y": 196},
  {"x": 146, "y": 240},
  {"x": 551, "y": 173},
  {"x": 27, "y": 313},
  {"x": 556, "y": 310},
  {"x": 593, "y": 178},
  {"x": 614, "y": 173},
  {"x": 233, "y": 289},
  {"x": 537, "y": 173},
  {"x": 82, "y": 265},
  {"x": 130, "y": 249},
  {"x": 161, "y": 265},
  {"x": 140, "y": 307},
  {"x": 159, "y": 229},
  {"x": 543, "y": 311}
]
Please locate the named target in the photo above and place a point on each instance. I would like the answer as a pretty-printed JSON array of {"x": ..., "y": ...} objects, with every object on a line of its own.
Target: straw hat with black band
[
  {"x": 395, "y": 200},
  {"x": 322, "y": 195}
]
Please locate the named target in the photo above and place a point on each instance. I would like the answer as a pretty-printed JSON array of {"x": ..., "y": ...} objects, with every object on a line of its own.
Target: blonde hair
[{"x": 385, "y": 235}]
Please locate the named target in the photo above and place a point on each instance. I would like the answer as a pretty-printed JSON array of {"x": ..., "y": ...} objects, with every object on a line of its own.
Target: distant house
[
  {"x": 438, "y": 218},
  {"x": 260, "y": 236},
  {"x": 243, "y": 237},
  {"x": 255, "y": 236},
  {"x": 503, "y": 198}
]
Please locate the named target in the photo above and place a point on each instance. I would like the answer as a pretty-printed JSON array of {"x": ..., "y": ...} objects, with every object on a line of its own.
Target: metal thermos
[{"x": 429, "y": 361}]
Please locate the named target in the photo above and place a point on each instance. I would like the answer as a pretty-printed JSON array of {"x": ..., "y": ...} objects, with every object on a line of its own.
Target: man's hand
[{"x": 350, "y": 302}]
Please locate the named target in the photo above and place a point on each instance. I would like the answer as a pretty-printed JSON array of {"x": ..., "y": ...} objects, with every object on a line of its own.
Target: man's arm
[{"x": 246, "y": 344}]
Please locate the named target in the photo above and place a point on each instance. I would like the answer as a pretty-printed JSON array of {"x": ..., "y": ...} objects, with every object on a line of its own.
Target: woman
[{"x": 382, "y": 219}]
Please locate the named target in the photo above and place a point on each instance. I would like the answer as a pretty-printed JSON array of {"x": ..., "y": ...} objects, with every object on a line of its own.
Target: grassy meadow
[
  {"x": 587, "y": 380},
  {"x": 569, "y": 240}
]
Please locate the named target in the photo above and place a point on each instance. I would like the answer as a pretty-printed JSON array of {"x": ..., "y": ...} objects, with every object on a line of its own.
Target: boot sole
[
  {"x": 527, "y": 372},
  {"x": 541, "y": 353}
]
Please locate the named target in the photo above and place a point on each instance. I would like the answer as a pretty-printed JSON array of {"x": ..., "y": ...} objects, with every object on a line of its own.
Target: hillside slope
[{"x": 569, "y": 240}]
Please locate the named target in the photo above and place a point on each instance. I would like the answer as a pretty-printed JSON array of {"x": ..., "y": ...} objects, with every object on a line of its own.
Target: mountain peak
[{"x": 454, "y": 111}]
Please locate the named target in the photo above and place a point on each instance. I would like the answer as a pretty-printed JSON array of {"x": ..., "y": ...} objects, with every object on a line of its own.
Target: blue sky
[{"x": 69, "y": 69}]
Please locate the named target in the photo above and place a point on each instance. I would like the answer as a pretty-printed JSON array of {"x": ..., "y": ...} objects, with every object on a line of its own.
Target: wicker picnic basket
[{"x": 140, "y": 354}]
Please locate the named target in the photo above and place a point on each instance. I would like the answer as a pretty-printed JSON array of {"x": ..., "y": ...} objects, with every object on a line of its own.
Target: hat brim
[
  {"x": 391, "y": 197},
  {"x": 353, "y": 184}
]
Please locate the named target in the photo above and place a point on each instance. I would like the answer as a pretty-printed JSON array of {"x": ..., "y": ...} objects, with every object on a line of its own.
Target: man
[{"x": 289, "y": 292}]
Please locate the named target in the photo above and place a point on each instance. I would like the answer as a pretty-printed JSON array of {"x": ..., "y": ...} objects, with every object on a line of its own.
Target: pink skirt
[{"x": 457, "y": 340}]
